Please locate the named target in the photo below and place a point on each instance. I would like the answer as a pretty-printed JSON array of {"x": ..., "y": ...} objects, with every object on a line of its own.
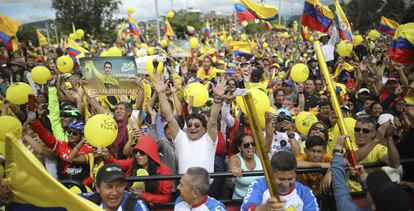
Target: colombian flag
[
  {"x": 262, "y": 12},
  {"x": 344, "y": 27},
  {"x": 242, "y": 12},
  {"x": 168, "y": 29},
  {"x": 317, "y": 16},
  {"x": 8, "y": 30},
  {"x": 241, "y": 49},
  {"x": 207, "y": 30},
  {"x": 401, "y": 49},
  {"x": 388, "y": 26},
  {"x": 190, "y": 30},
  {"x": 133, "y": 28}
]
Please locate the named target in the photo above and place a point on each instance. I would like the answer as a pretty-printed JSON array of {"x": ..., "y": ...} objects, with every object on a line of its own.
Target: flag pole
[
  {"x": 260, "y": 145},
  {"x": 350, "y": 150}
]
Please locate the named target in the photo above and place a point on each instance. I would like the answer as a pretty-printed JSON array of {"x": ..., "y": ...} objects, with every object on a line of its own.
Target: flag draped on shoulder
[
  {"x": 242, "y": 49},
  {"x": 134, "y": 29},
  {"x": 401, "y": 48},
  {"x": 345, "y": 31},
  {"x": 388, "y": 26},
  {"x": 263, "y": 12},
  {"x": 42, "y": 39},
  {"x": 207, "y": 30},
  {"x": 317, "y": 16}
]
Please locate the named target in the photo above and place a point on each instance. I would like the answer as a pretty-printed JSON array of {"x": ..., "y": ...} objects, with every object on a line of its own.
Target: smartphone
[
  {"x": 135, "y": 114},
  {"x": 31, "y": 105}
]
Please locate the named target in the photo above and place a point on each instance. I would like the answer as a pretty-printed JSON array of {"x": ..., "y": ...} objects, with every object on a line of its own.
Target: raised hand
[
  {"x": 159, "y": 84},
  {"x": 220, "y": 88}
]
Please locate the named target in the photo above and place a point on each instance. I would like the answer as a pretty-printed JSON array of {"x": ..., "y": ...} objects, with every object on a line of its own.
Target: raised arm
[
  {"x": 160, "y": 87},
  {"x": 218, "y": 92}
]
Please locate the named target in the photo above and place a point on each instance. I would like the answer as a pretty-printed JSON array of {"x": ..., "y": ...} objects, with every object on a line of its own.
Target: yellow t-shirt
[
  {"x": 212, "y": 73},
  {"x": 312, "y": 180},
  {"x": 376, "y": 155}
]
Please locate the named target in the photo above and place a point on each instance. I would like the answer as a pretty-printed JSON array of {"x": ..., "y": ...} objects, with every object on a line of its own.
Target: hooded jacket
[{"x": 148, "y": 145}]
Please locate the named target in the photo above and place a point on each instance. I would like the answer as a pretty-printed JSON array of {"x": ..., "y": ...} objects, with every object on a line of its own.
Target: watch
[{"x": 291, "y": 135}]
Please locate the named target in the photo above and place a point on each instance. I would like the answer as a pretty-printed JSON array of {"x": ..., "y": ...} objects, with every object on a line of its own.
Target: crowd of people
[{"x": 172, "y": 136}]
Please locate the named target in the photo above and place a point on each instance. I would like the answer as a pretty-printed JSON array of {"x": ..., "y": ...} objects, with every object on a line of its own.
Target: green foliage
[
  {"x": 366, "y": 14},
  {"x": 253, "y": 28},
  {"x": 183, "y": 18},
  {"x": 409, "y": 14},
  {"x": 94, "y": 17}
]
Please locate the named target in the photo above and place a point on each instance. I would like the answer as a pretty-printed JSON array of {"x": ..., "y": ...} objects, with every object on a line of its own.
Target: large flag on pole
[
  {"x": 133, "y": 28},
  {"x": 168, "y": 29},
  {"x": 207, "y": 30},
  {"x": 42, "y": 39},
  {"x": 242, "y": 12},
  {"x": 388, "y": 26},
  {"x": 401, "y": 48},
  {"x": 8, "y": 28},
  {"x": 344, "y": 27},
  {"x": 317, "y": 16},
  {"x": 263, "y": 12}
]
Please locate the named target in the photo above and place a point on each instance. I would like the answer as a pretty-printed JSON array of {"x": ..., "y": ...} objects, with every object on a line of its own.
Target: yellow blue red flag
[
  {"x": 263, "y": 12},
  {"x": 8, "y": 28},
  {"x": 317, "y": 16},
  {"x": 388, "y": 26},
  {"x": 345, "y": 31}
]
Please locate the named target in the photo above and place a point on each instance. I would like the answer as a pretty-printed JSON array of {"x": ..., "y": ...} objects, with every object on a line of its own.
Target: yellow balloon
[
  {"x": 198, "y": 91},
  {"x": 170, "y": 14},
  {"x": 222, "y": 38},
  {"x": 299, "y": 72},
  {"x": 344, "y": 48},
  {"x": 73, "y": 36},
  {"x": 150, "y": 51},
  {"x": 357, "y": 39},
  {"x": 349, "y": 124},
  {"x": 40, "y": 74},
  {"x": 64, "y": 64},
  {"x": 230, "y": 38},
  {"x": 131, "y": 10},
  {"x": 164, "y": 43},
  {"x": 265, "y": 45},
  {"x": 18, "y": 93},
  {"x": 80, "y": 33},
  {"x": 160, "y": 67},
  {"x": 101, "y": 130},
  {"x": 193, "y": 42},
  {"x": 143, "y": 45},
  {"x": 261, "y": 103},
  {"x": 373, "y": 34},
  {"x": 243, "y": 37},
  {"x": 149, "y": 66},
  {"x": 9, "y": 124},
  {"x": 104, "y": 53},
  {"x": 304, "y": 120},
  {"x": 114, "y": 51}
]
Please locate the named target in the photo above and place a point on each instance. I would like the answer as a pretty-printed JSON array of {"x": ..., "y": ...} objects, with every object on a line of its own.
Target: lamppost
[{"x": 157, "y": 20}]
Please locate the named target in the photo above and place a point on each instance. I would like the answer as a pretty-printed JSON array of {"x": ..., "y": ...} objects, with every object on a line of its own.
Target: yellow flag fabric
[
  {"x": 8, "y": 26},
  {"x": 42, "y": 39},
  {"x": 264, "y": 12},
  {"x": 15, "y": 44},
  {"x": 74, "y": 45},
  {"x": 32, "y": 184},
  {"x": 168, "y": 29}
]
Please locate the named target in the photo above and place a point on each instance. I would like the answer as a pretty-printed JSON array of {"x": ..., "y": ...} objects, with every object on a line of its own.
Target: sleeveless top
[{"x": 242, "y": 183}]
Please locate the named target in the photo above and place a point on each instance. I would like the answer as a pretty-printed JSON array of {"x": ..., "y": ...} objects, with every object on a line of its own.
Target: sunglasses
[
  {"x": 73, "y": 132},
  {"x": 364, "y": 130},
  {"x": 65, "y": 115},
  {"x": 247, "y": 145},
  {"x": 318, "y": 129},
  {"x": 141, "y": 153},
  {"x": 144, "y": 130},
  {"x": 195, "y": 125}
]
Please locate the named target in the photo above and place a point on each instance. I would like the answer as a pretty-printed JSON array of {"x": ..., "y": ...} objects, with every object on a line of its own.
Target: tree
[
  {"x": 409, "y": 14},
  {"x": 182, "y": 19},
  {"x": 94, "y": 17},
  {"x": 366, "y": 14}
]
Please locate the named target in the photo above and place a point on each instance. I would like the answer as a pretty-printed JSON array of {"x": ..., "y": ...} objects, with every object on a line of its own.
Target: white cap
[
  {"x": 383, "y": 118},
  {"x": 392, "y": 174}
]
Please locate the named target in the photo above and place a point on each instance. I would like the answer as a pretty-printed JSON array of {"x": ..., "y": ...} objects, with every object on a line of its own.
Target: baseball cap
[
  {"x": 109, "y": 172},
  {"x": 385, "y": 194},
  {"x": 287, "y": 82},
  {"x": 363, "y": 90},
  {"x": 383, "y": 118},
  {"x": 392, "y": 79},
  {"x": 283, "y": 110}
]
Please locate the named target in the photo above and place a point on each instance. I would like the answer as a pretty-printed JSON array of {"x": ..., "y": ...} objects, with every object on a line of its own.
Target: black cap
[{"x": 109, "y": 172}]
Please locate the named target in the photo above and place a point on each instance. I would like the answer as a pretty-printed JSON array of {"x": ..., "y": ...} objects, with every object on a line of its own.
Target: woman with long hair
[{"x": 146, "y": 157}]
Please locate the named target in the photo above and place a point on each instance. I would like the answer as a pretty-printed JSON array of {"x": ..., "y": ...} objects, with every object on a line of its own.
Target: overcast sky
[{"x": 34, "y": 10}]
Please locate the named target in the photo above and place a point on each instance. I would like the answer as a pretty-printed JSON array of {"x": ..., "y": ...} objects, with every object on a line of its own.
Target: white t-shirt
[
  {"x": 280, "y": 142},
  {"x": 198, "y": 153}
]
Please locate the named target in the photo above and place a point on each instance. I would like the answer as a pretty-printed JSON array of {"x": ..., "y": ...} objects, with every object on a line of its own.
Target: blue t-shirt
[{"x": 139, "y": 204}]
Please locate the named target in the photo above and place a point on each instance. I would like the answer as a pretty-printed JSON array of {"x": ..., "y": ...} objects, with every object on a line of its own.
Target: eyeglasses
[
  {"x": 141, "y": 153},
  {"x": 144, "y": 130},
  {"x": 73, "y": 132},
  {"x": 195, "y": 125},
  {"x": 318, "y": 129},
  {"x": 364, "y": 130},
  {"x": 247, "y": 145}
]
